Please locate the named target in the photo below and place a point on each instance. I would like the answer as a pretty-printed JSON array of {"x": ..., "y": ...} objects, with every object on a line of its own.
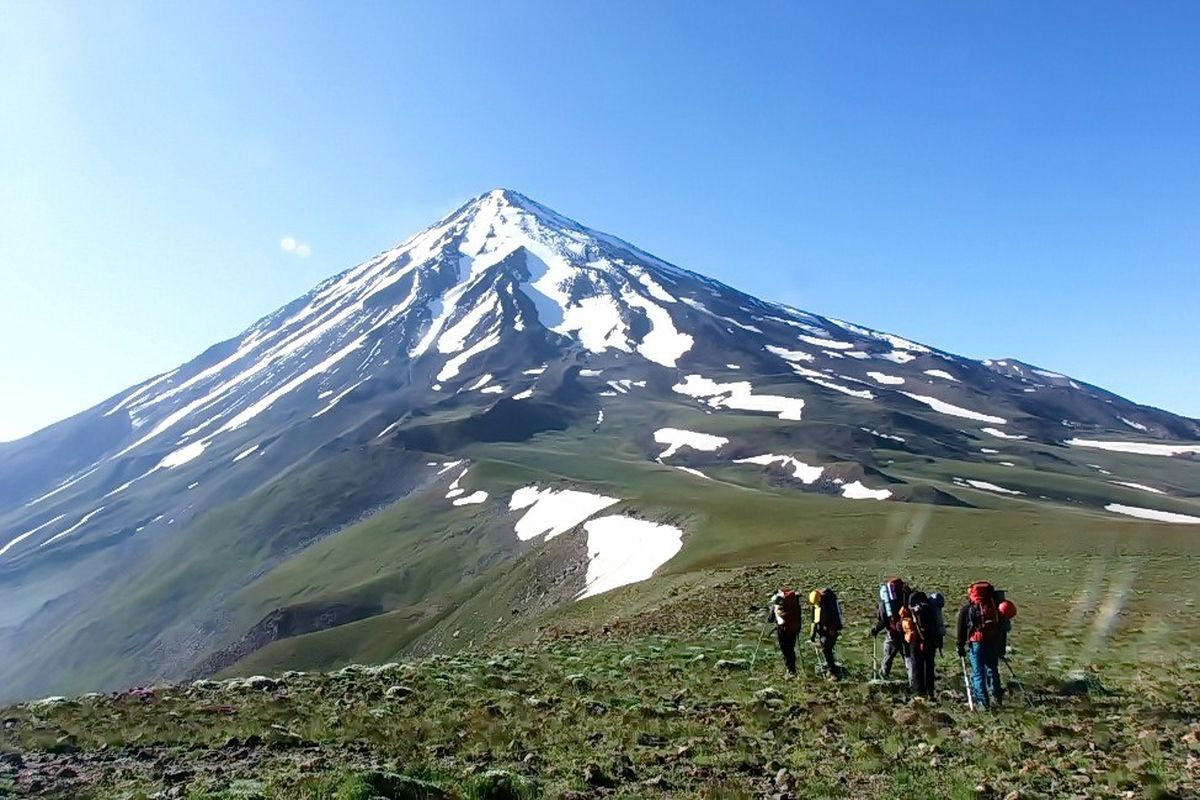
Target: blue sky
[{"x": 998, "y": 179}]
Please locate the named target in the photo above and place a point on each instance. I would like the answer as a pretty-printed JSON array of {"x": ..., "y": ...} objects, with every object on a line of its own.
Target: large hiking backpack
[
  {"x": 986, "y": 624},
  {"x": 788, "y": 613},
  {"x": 939, "y": 604},
  {"x": 918, "y": 621},
  {"x": 891, "y": 594},
  {"x": 828, "y": 610}
]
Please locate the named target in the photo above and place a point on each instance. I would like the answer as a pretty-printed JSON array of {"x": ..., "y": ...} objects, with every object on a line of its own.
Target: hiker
[
  {"x": 893, "y": 594},
  {"x": 922, "y": 641},
  {"x": 826, "y": 625},
  {"x": 785, "y": 612},
  {"x": 981, "y": 635}
]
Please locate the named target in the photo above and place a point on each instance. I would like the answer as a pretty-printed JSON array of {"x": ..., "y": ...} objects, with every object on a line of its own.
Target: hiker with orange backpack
[
  {"x": 893, "y": 594},
  {"x": 786, "y": 613},
  {"x": 982, "y": 634},
  {"x": 922, "y": 641}
]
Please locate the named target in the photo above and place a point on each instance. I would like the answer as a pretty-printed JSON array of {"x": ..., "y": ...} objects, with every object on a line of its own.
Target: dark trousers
[
  {"x": 893, "y": 646},
  {"x": 828, "y": 640},
  {"x": 787, "y": 646},
  {"x": 922, "y": 669}
]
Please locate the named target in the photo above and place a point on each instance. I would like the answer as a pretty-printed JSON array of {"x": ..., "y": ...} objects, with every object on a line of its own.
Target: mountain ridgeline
[{"x": 504, "y": 413}]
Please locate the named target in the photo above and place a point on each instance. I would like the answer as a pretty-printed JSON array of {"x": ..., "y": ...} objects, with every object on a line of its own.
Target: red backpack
[
  {"x": 985, "y": 614},
  {"x": 788, "y": 611}
]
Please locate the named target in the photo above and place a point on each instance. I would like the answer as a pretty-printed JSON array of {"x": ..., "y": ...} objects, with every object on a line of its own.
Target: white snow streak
[
  {"x": 1141, "y": 486},
  {"x": 248, "y": 451},
  {"x": 885, "y": 379},
  {"x": 691, "y": 471},
  {"x": 61, "y": 487},
  {"x": 1152, "y": 514},
  {"x": 18, "y": 539},
  {"x": 832, "y": 344},
  {"x": 941, "y": 373},
  {"x": 181, "y": 456},
  {"x": 1142, "y": 448},
  {"x": 999, "y": 434},
  {"x": 942, "y": 407},
  {"x": 83, "y": 521},
  {"x": 989, "y": 487}
]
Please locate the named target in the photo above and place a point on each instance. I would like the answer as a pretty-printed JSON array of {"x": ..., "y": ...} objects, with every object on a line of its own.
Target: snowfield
[
  {"x": 677, "y": 438},
  {"x": 803, "y": 472},
  {"x": 554, "y": 512},
  {"x": 624, "y": 550},
  {"x": 739, "y": 395},
  {"x": 857, "y": 491}
]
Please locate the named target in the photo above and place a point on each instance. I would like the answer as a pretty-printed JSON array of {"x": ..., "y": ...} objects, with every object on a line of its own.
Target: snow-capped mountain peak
[{"x": 464, "y": 311}]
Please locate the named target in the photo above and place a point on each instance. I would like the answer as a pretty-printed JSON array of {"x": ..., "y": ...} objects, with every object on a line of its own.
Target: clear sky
[{"x": 1000, "y": 179}]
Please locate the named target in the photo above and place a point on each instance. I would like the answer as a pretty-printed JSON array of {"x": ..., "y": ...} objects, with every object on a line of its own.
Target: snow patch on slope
[
  {"x": 554, "y": 512},
  {"x": 739, "y": 395},
  {"x": 942, "y": 407},
  {"x": 1152, "y": 514},
  {"x": 677, "y": 438},
  {"x": 1141, "y": 448},
  {"x": 623, "y": 550},
  {"x": 858, "y": 491},
  {"x": 805, "y": 473}
]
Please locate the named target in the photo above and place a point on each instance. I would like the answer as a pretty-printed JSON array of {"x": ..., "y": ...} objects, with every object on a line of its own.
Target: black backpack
[{"x": 831, "y": 610}]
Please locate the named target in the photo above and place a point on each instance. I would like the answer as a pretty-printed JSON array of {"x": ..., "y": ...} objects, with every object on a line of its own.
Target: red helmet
[{"x": 1007, "y": 609}]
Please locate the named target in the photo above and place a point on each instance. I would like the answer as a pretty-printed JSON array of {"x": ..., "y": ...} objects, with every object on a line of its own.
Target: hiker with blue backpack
[
  {"x": 983, "y": 624},
  {"x": 893, "y": 594}
]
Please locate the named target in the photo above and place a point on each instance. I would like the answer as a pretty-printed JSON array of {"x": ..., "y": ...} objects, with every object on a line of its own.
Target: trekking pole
[
  {"x": 761, "y": 636},
  {"x": 818, "y": 659},
  {"x": 874, "y": 658},
  {"x": 1017, "y": 681},
  {"x": 967, "y": 683}
]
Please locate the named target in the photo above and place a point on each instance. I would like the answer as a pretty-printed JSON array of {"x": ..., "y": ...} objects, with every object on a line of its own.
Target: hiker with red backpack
[
  {"x": 786, "y": 613},
  {"x": 982, "y": 633},
  {"x": 893, "y": 594},
  {"x": 826, "y": 625}
]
